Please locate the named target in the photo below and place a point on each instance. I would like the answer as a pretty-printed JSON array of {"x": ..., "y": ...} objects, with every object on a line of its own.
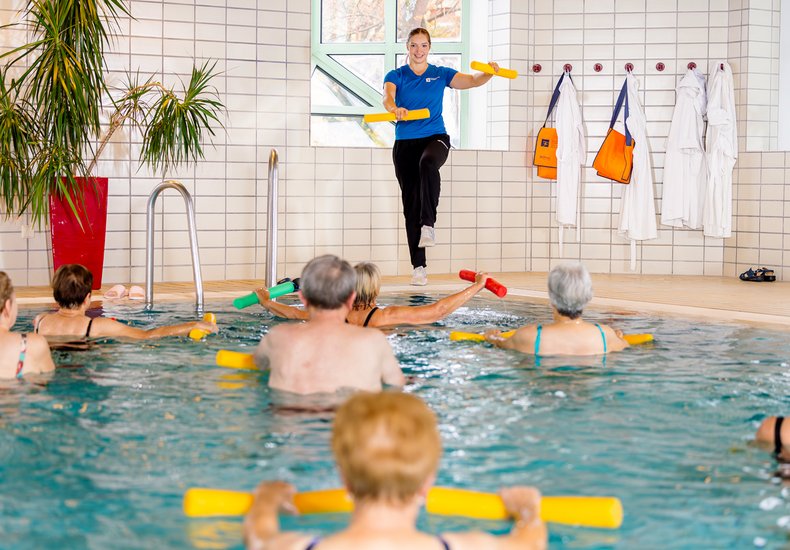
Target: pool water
[{"x": 100, "y": 455}]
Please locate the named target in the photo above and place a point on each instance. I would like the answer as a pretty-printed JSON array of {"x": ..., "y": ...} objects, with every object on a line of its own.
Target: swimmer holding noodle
[
  {"x": 387, "y": 448},
  {"x": 570, "y": 288}
]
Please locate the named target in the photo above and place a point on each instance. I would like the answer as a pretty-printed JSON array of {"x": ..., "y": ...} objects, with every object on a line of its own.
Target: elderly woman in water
[
  {"x": 20, "y": 353},
  {"x": 570, "y": 288},
  {"x": 366, "y": 313},
  {"x": 387, "y": 449}
]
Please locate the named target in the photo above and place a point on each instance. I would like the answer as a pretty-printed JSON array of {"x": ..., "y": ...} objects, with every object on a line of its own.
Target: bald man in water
[{"x": 325, "y": 353}]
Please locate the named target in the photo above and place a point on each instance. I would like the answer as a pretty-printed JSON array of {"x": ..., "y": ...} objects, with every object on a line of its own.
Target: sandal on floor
[
  {"x": 768, "y": 274},
  {"x": 759, "y": 275}
]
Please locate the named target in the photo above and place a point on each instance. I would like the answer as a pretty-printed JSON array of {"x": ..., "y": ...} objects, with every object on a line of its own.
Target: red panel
[{"x": 75, "y": 244}]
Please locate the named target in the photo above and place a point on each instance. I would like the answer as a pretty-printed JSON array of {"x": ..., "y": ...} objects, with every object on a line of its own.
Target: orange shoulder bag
[
  {"x": 615, "y": 157},
  {"x": 546, "y": 143}
]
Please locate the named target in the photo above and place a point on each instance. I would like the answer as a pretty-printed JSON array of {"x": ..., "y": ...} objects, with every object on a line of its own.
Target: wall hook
[
  {"x": 660, "y": 67},
  {"x": 691, "y": 66},
  {"x": 567, "y": 67},
  {"x": 597, "y": 67},
  {"x": 536, "y": 68},
  {"x": 629, "y": 67}
]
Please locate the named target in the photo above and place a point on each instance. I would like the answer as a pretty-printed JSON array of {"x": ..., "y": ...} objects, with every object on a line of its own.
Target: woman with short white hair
[{"x": 570, "y": 289}]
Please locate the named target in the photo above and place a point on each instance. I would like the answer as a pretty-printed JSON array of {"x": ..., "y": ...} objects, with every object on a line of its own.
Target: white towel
[
  {"x": 685, "y": 168},
  {"x": 722, "y": 151},
  {"x": 637, "y": 209}
]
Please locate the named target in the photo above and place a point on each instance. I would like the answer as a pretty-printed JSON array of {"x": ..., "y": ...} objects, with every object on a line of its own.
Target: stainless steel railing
[
  {"x": 149, "y": 242},
  {"x": 271, "y": 233}
]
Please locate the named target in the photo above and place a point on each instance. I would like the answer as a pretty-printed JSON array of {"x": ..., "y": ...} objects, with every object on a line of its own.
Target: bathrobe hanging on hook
[
  {"x": 685, "y": 167},
  {"x": 637, "y": 208},
  {"x": 571, "y": 153},
  {"x": 722, "y": 151}
]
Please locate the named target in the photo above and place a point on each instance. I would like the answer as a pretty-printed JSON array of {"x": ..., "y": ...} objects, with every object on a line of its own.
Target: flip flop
[
  {"x": 136, "y": 293},
  {"x": 116, "y": 293}
]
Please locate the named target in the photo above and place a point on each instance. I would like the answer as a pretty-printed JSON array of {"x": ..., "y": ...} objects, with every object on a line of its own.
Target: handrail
[
  {"x": 149, "y": 242},
  {"x": 271, "y": 233}
]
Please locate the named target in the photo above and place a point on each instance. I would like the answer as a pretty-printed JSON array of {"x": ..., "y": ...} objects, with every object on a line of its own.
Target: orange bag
[
  {"x": 615, "y": 157},
  {"x": 546, "y": 143},
  {"x": 546, "y": 153}
]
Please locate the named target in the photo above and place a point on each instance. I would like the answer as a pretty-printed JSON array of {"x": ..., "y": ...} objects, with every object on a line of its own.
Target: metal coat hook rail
[{"x": 629, "y": 67}]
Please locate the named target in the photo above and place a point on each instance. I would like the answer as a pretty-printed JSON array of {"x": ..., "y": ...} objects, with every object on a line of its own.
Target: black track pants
[{"x": 417, "y": 163}]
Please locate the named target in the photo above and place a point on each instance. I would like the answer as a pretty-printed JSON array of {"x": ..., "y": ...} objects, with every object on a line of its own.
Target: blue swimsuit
[{"x": 540, "y": 329}]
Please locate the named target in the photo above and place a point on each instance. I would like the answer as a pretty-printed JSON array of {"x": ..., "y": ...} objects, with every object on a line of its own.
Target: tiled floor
[{"x": 714, "y": 298}]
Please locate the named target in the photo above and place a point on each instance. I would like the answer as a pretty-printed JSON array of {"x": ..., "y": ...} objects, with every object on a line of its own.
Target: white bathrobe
[
  {"x": 685, "y": 168},
  {"x": 571, "y": 153},
  {"x": 722, "y": 151},
  {"x": 637, "y": 209}
]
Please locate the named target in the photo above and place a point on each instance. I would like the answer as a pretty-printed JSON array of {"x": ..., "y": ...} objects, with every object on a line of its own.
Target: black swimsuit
[
  {"x": 778, "y": 436},
  {"x": 87, "y": 332},
  {"x": 316, "y": 540},
  {"x": 367, "y": 319}
]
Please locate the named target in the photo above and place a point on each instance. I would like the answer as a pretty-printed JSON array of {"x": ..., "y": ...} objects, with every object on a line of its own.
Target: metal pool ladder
[{"x": 149, "y": 242}]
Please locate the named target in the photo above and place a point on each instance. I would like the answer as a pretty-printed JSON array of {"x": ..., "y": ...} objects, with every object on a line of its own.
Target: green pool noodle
[{"x": 274, "y": 292}]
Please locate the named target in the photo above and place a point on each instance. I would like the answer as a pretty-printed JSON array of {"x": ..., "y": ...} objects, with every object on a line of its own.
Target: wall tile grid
[{"x": 494, "y": 214}]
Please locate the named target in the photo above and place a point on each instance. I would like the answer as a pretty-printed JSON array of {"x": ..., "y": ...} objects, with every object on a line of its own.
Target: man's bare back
[{"x": 324, "y": 355}]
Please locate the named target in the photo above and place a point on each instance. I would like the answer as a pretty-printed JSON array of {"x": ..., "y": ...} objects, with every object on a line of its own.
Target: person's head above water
[
  {"x": 386, "y": 445},
  {"x": 71, "y": 285},
  {"x": 570, "y": 288},
  {"x": 6, "y": 289},
  {"x": 327, "y": 282},
  {"x": 368, "y": 285}
]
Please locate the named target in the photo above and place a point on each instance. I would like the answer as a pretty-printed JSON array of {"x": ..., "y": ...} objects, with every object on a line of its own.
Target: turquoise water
[{"x": 100, "y": 455}]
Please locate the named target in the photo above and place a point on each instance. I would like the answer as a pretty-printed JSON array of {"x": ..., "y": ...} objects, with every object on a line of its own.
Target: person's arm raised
[
  {"x": 464, "y": 81},
  {"x": 281, "y": 310},
  {"x": 423, "y": 315},
  {"x": 112, "y": 328}
]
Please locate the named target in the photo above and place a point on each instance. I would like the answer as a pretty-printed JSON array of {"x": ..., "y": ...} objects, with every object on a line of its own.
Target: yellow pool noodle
[
  {"x": 198, "y": 334},
  {"x": 633, "y": 339},
  {"x": 235, "y": 360},
  {"x": 474, "y": 337},
  {"x": 488, "y": 69},
  {"x": 416, "y": 114},
  {"x": 603, "y": 512}
]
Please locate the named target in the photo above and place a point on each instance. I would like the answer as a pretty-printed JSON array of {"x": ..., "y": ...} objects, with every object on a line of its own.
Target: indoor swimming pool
[{"x": 100, "y": 455}]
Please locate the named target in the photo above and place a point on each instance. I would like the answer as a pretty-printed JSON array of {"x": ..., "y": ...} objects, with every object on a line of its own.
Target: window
[{"x": 356, "y": 42}]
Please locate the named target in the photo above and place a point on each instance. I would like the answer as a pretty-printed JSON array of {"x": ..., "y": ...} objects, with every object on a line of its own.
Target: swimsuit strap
[
  {"x": 537, "y": 340},
  {"x": 603, "y": 336},
  {"x": 88, "y": 332},
  {"x": 443, "y": 542},
  {"x": 22, "y": 353},
  {"x": 313, "y": 543},
  {"x": 778, "y": 435},
  {"x": 367, "y": 319}
]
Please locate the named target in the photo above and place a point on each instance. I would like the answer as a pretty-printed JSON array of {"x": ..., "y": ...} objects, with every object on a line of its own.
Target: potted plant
[{"x": 53, "y": 91}]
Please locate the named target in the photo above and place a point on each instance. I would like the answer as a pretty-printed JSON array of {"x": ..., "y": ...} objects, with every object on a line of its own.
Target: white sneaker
[
  {"x": 427, "y": 237},
  {"x": 419, "y": 277}
]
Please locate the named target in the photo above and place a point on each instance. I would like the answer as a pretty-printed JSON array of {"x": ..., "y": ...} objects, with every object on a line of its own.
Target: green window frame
[{"x": 390, "y": 48}]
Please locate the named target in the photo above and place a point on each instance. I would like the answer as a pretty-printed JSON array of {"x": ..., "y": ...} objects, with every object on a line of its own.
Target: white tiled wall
[{"x": 493, "y": 213}]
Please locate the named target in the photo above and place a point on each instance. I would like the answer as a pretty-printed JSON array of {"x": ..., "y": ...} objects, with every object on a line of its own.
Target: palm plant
[{"x": 52, "y": 94}]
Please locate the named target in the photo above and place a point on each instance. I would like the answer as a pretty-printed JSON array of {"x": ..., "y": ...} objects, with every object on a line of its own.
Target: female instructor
[{"x": 421, "y": 146}]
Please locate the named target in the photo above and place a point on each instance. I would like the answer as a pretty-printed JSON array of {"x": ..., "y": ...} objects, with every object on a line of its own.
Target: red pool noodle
[{"x": 492, "y": 285}]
